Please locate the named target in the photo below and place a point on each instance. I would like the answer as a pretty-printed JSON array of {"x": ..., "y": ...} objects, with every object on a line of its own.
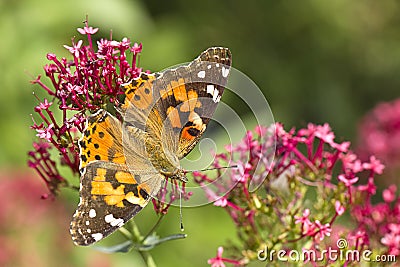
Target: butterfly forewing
[{"x": 189, "y": 96}]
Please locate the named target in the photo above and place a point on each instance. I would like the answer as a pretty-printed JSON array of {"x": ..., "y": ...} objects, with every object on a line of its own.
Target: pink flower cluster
[
  {"x": 169, "y": 193},
  {"x": 379, "y": 134},
  {"x": 309, "y": 181},
  {"x": 87, "y": 82},
  {"x": 381, "y": 221}
]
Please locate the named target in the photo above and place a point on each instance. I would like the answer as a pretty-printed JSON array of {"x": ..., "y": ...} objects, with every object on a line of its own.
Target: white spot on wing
[
  {"x": 109, "y": 218},
  {"x": 225, "y": 72},
  {"x": 209, "y": 67},
  {"x": 92, "y": 213},
  {"x": 210, "y": 89},
  {"x": 87, "y": 222},
  {"x": 88, "y": 230},
  {"x": 201, "y": 74},
  {"x": 117, "y": 222},
  {"x": 97, "y": 236},
  {"x": 113, "y": 221},
  {"x": 214, "y": 92}
]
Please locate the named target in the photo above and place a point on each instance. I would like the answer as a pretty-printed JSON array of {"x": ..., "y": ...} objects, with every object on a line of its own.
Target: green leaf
[
  {"x": 154, "y": 240},
  {"x": 123, "y": 247}
]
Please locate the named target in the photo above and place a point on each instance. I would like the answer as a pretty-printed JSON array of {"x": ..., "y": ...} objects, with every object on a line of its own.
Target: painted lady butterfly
[{"x": 122, "y": 164}]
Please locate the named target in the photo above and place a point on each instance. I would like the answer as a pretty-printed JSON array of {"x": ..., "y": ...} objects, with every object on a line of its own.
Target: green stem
[
  {"x": 154, "y": 227},
  {"x": 148, "y": 259},
  {"x": 125, "y": 232},
  {"x": 136, "y": 236}
]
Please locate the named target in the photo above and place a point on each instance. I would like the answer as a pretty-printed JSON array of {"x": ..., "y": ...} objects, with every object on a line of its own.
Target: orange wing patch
[
  {"x": 125, "y": 177},
  {"x": 128, "y": 189},
  {"x": 175, "y": 88},
  {"x": 139, "y": 92},
  {"x": 142, "y": 197},
  {"x": 179, "y": 90},
  {"x": 174, "y": 117},
  {"x": 191, "y": 102},
  {"x": 101, "y": 140},
  {"x": 193, "y": 128}
]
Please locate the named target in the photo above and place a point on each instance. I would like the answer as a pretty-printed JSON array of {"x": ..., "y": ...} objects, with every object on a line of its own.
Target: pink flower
[
  {"x": 221, "y": 202},
  {"x": 360, "y": 237},
  {"x": 136, "y": 48},
  {"x": 351, "y": 163},
  {"x": 389, "y": 195},
  {"x": 241, "y": 174},
  {"x": 347, "y": 182},
  {"x": 379, "y": 135},
  {"x": 307, "y": 226},
  {"x": 43, "y": 105},
  {"x": 392, "y": 240},
  {"x": 304, "y": 218},
  {"x": 218, "y": 260},
  {"x": 394, "y": 228},
  {"x": 342, "y": 147},
  {"x": 374, "y": 165},
  {"x": 45, "y": 133},
  {"x": 339, "y": 208},
  {"x": 370, "y": 187},
  {"x": 75, "y": 48},
  {"x": 323, "y": 230},
  {"x": 324, "y": 133},
  {"x": 87, "y": 30}
]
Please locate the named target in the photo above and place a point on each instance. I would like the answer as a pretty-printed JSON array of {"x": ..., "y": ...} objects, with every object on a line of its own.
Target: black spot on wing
[
  {"x": 193, "y": 131},
  {"x": 144, "y": 194}
]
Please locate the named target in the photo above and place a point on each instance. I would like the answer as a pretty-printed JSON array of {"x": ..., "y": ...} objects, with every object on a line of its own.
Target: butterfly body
[{"x": 123, "y": 164}]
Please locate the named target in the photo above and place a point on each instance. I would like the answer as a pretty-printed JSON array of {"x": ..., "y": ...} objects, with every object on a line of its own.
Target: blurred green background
[{"x": 316, "y": 61}]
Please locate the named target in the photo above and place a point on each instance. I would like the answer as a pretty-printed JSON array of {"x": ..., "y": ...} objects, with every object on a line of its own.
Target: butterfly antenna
[
  {"x": 217, "y": 168},
  {"x": 180, "y": 192},
  {"x": 180, "y": 208}
]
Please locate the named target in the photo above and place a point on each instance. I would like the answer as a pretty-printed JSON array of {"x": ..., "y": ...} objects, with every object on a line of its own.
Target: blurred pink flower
[
  {"x": 379, "y": 136},
  {"x": 33, "y": 232}
]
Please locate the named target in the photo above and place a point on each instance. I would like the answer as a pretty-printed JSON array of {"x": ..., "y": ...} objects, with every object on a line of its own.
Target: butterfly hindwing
[
  {"x": 109, "y": 197},
  {"x": 110, "y": 192}
]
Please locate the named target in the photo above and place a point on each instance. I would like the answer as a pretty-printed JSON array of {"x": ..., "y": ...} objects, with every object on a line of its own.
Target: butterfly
[{"x": 124, "y": 162}]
